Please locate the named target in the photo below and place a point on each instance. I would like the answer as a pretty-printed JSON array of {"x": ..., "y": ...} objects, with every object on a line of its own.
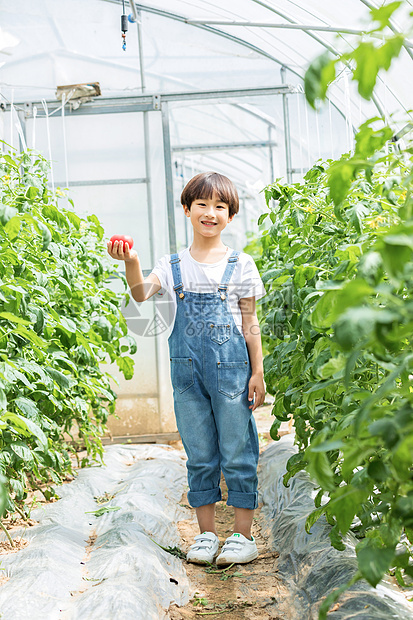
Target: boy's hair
[{"x": 205, "y": 184}]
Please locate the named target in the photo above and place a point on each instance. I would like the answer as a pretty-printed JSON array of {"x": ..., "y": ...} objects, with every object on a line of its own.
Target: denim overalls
[{"x": 210, "y": 371}]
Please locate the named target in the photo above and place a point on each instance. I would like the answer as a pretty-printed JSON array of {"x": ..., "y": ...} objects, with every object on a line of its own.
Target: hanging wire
[
  {"x": 331, "y": 129},
  {"x": 11, "y": 118},
  {"x": 347, "y": 109},
  {"x": 299, "y": 132},
  {"x": 19, "y": 128},
  {"x": 64, "y": 138},
  {"x": 34, "y": 127},
  {"x": 308, "y": 137},
  {"x": 44, "y": 104},
  {"x": 318, "y": 134}
]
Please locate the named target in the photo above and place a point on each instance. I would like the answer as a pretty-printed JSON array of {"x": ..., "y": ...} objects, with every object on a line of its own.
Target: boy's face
[{"x": 212, "y": 211}]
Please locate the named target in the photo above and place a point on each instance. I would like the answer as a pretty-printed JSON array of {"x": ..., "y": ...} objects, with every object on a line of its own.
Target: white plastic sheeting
[
  {"x": 125, "y": 575},
  {"x": 309, "y": 565},
  {"x": 64, "y": 574}
]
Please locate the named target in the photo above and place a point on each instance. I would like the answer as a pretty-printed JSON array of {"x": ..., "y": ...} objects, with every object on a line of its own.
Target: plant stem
[{"x": 7, "y": 534}]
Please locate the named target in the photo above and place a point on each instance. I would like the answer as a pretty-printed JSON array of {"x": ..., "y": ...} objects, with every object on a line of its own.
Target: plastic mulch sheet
[
  {"x": 308, "y": 564},
  {"x": 82, "y": 566}
]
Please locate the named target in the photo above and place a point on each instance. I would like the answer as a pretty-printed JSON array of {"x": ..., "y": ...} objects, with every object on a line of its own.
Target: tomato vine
[{"x": 59, "y": 322}]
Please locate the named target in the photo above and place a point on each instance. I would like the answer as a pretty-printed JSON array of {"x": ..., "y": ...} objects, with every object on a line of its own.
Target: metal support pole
[
  {"x": 287, "y": 137},
  {"x": 270, "y": 153},
  {"x": 148, "y": 175},
  {"x": 22, "y": 120},
  {"x": 168, "y": 177}
]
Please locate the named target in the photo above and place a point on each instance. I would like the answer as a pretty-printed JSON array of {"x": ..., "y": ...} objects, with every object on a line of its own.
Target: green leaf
[
  {"x": 3, "y": 400},
  {"x": 9, "y": 316},
  {"x": 340, "y": 177},
  {"x": 25, "y": 427},
  {"x": 13, "y": 226},
  {"x": 126, "y": 365},
  {"x": 27, "y": 407},
  {"x": 31, "y": 193},
  {"x": 6, "y": 213},
  {"x": 313, "y": 517},
  {"x": 103, "y": 510},
  {"x": 31, "y": 336},
  {"x": 63, "y": 381},
  {"x": 336, "y": 539},
  {"x": 325, "y": 446},
  {"x": 73, "y": 218},
  {"x": 68, "y": 324},
  {"x": 23, "y": 452},
  {"x": 373, "y": 560},
  {"x": 319, "y": 469},
  {"x": 52, "y": 213},
  {"x": 345, "y": 502},
  {"x": 333, "y": 366},
  {"x": 274, "y": 430},
  {"x": 46, "y": 236},
  {"x": 403, "y": 457},
  {"x": 384, "y": 13},
  {"x": 320, "y": 73},
  {"x": 367, "y": 68}
]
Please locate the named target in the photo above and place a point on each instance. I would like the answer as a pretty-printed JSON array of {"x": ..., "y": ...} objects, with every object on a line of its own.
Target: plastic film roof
[
  {"x": 208, "y": 45},
  {"x": 187, "y": 44}
]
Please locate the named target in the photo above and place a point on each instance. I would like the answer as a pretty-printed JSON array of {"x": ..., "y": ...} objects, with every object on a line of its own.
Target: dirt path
[{"x": 250, "y": 591}]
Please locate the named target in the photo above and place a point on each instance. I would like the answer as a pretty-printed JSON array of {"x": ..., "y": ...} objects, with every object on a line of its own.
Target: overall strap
[
  {"x": 176, "y": 273},
  {"x": 222, "y": 288}
]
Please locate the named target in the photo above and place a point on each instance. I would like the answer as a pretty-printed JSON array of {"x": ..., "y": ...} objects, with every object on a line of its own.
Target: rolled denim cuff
[
  {"x": 202, "y": 498},
  {"x": 242, "y": 500}
]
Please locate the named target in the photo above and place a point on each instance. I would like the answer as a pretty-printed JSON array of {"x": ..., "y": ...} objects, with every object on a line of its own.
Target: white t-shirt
[{"x": 205, "y": 277}]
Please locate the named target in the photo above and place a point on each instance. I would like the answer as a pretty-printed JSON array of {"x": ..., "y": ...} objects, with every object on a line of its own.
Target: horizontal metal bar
[
  {"x": 97, "y": 106},
  {"x": 298, "y": 170},
  {"x": 221, "y": 146},
  {"x": 154, "y": 438},
  {"x": 286, "y": 26},
  {"x": 145, "y": 103},
  {"x": 235, "y": 92},
  {"x": 100, "y": 182},
  {"x": 145, "y": 272}
]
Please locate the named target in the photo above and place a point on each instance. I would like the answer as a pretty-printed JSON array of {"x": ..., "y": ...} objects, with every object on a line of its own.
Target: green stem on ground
[{"x": 7, "y": 534}]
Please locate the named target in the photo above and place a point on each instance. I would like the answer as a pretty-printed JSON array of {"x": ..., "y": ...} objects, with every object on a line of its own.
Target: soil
[
  {"x": 250, "y": 591},
  {"x": 6, "y": 547}
]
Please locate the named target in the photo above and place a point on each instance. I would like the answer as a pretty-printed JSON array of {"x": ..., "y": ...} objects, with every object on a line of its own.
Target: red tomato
[{"x": 124, "y": 239}]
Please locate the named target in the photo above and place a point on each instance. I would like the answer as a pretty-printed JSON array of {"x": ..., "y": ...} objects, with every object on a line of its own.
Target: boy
[{"x": 216, "y": 363}]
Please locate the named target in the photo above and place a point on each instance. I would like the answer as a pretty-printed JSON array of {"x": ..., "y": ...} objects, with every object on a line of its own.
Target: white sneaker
[
  {"x": 237, "y": 549},
  {"x": 204, "y": 549}
]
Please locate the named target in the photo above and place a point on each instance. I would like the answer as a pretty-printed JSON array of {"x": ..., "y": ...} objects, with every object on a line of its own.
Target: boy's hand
[
  {"x": 256, "y": 384},
  {"x": 116, "y": 251}
]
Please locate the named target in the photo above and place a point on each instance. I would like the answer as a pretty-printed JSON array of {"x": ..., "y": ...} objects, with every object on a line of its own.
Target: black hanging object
[{"x": 124, "y": 26}]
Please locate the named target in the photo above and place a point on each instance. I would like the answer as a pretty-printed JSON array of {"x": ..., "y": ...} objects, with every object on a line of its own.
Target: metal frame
[
  {"x": 212, "y": 22},
  {"x": 225, "y": 146}
]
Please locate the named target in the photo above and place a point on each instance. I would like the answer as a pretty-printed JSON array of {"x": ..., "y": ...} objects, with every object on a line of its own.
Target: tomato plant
[
  {"x": 59, "y": 322},
  {"x": 336, "y": 255}
]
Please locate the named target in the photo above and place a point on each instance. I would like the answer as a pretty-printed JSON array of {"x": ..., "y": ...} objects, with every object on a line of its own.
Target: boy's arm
[
  {"x": 141, "y": 288},
  {"x": 252, "y": 335}
]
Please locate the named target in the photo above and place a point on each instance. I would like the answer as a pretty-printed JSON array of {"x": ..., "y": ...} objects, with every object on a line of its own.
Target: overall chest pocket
[
  {"x": 182, "y": 373},
  {"x": 220, "y": 333},
  {"x": 232, "y": 378}
]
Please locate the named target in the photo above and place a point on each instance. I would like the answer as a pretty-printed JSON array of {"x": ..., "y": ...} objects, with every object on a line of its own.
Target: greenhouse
[{"x": 108, "y": 111}]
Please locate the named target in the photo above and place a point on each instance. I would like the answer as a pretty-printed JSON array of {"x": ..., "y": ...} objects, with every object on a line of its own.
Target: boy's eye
[{"x": 202, "y": 204}]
